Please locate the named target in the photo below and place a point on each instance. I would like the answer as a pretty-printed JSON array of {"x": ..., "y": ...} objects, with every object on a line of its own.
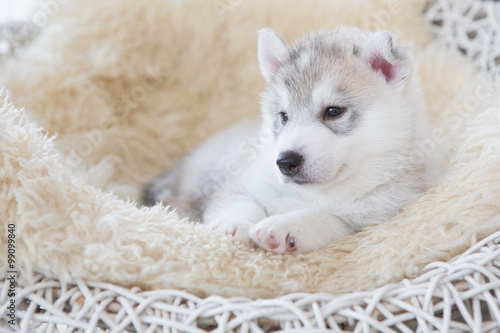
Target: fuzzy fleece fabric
[{"x": 112, "y": 92}]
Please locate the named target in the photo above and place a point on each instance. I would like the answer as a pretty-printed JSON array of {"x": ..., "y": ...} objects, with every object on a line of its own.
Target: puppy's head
[{"x": 341, "y": 104}]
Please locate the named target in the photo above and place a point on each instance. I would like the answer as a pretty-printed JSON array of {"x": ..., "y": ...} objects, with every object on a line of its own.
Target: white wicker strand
[
  {"x": 35, "y": 301},
  {"x": 172, "y": 324},
  {"x": 50, "y": 318},
  {"x": 100, "y": 308},
  {"x": 318, "y": 315},
  {"x": 478, "y": 319},
  {"x": 462, "y": 307},
  {"x": 29, "y": 313},
  {"x": 396, "y": 320},
  {"x": 90, "y": 301},
  {"x": 333, "y": 324},
  {"x": 106, "y": 318},
  {"x": 362, "y": 318},
  {"x": 422, "y": 302},
  {"x": 423, "y": 318},
  {"x": 361, "y": 325},
  {"x": 446, "y": 309}
]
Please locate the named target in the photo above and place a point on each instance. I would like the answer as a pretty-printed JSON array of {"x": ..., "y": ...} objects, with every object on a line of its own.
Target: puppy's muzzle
[{"x": 289, "y": 163}]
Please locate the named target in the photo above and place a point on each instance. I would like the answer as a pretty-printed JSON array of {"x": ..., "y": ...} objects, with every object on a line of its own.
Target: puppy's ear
[
  {"x": 272, "y": 52},
  {"x": 395, "y": 64}
]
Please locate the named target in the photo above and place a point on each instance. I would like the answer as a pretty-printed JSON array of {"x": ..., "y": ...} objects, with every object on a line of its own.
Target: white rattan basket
[{"x": 459, "y": 296}]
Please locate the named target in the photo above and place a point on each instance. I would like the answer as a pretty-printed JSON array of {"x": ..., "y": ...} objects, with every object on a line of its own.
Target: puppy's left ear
[
  {"x": 272, "y": 52},
  {"x": 394, "y": 63}
]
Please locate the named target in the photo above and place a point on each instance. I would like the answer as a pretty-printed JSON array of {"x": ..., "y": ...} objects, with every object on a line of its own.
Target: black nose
[{"x": 289, "y": 162}]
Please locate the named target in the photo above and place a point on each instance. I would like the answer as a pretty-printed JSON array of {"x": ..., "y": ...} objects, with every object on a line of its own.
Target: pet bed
[{"x": 108, "y": 93}]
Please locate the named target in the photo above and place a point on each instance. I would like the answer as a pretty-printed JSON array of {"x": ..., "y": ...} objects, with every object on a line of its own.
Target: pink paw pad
[{"x": 272, "y": 242}]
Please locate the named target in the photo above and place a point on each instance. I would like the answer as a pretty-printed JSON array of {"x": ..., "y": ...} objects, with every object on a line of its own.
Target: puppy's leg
[
  {"x": 234, "y": 218},
  {"x": 299, "y": 231}
]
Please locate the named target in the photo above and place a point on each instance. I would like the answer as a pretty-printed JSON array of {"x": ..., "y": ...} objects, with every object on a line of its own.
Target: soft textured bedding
[{"x": 112, "y": 92}]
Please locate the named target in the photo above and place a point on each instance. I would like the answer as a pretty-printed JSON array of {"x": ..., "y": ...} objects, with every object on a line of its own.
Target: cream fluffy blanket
[{"x": 112, "y": 92}]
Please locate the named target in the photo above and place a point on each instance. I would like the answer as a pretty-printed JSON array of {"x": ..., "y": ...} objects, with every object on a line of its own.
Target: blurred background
[{"x": 14, "y": 10}]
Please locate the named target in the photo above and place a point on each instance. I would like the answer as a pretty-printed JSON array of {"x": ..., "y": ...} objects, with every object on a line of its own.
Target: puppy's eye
[
  {"x": 283, "y": 117},
  {"x": 334, "y": 112}
]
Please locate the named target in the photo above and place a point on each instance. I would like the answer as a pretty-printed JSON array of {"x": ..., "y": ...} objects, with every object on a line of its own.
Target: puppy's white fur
[{"x": 357, "y": 169}]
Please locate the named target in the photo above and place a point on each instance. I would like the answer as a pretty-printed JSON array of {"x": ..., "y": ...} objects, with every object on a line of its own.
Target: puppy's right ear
[
  {"x": 272, "y": 52},
  {"x": 394, "y": 63}
]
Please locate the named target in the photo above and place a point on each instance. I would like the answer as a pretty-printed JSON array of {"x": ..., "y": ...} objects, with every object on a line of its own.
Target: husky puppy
[{"x": 339, "y": 147}]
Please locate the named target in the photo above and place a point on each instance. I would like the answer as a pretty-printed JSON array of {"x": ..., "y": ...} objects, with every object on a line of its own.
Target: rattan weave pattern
[
  {"x": 462, "y": 295},
  {"x": 471, "y": 27}
]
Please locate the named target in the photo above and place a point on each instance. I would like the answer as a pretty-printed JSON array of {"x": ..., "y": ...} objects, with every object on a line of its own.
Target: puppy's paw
[
  {"x": 277, "y": 234},
  {"x": 238, "y": 231}
]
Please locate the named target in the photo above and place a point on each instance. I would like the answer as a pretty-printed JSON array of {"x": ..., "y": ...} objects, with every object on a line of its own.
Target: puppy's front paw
[
  {"x": 276, "y": 234},
  {"x": 238, "y": 231}
]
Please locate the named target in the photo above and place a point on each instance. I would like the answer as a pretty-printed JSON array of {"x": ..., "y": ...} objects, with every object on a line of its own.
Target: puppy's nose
[{"x": 289, "y": 162}]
